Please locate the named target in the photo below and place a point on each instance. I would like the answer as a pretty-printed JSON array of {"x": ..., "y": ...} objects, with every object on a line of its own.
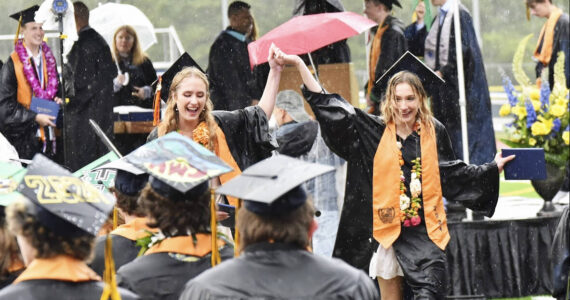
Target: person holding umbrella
[
  {"x": 400, "y": 166},
  {"x": 132, "y": 86}
]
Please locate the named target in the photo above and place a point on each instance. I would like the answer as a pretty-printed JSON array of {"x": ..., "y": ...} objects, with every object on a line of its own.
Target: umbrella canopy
[
  {"x": 304, "y": 34},
  {"x": 106, "y": 18}
]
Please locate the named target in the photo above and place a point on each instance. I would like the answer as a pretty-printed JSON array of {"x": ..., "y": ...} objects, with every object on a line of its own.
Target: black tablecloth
[{"x": 501, "y": 258}]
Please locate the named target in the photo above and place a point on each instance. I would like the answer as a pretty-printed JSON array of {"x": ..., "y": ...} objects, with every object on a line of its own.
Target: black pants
[{"x": 423, "y": 263}]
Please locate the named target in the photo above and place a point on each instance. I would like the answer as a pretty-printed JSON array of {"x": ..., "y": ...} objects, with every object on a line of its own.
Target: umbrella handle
[{"x": 314, "y": 69}]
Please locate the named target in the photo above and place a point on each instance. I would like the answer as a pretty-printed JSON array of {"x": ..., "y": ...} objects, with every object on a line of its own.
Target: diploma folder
[
  {"x": 43, "y": 106},
  {"x": 529, "y": 164}
]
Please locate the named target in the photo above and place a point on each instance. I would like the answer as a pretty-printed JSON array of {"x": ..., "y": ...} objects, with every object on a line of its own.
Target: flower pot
[{"x": 548, "y": 187}]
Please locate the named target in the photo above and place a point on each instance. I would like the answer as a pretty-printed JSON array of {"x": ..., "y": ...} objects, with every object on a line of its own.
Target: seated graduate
[
  {"x": 396, "y": 179},
  {"x": 55, "y": 226},
  {"x": 177, "y": 201},
  {"x": 129, "y": 181},
  {"x": 275, "y": 226}
]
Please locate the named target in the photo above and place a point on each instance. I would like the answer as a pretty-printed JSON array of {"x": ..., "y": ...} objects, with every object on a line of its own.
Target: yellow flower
[
  {"x": 557, "y": 110},
  {"x": 539, "y": 128},
  {"x": 531, "y": 141},
  {"x": 534, "y": 94},
  {"x": 536, "y": 105},
  {"x": 505, "y": 110},
  {"x": 519, "y": 111},
  {"x": 566, "y": 137}
]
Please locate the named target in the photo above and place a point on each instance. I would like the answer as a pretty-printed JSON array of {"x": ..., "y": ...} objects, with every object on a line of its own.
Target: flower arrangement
[{"x": 541, "y": 116}]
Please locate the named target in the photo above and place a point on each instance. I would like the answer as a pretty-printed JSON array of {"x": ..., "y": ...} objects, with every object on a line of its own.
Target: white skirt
[{"x": 384, "y": 264}]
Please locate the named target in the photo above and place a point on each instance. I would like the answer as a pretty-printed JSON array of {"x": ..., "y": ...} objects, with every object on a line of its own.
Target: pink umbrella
[{"x": 304, "y": 34}]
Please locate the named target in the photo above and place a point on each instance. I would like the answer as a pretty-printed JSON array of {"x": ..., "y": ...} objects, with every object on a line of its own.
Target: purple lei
[{"x": 51, "y": 87}]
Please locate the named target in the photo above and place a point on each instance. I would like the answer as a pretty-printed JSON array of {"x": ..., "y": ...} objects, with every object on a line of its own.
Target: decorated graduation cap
[
  {"x": 162, "y": 84},
  {"x": 129, "y": 180},
  {"x": 63, "y": 203},
  {"x": 10, "y": 175},
  {"x": 180, "y": 169},
  {"x": 409, "y": 62},
  {"x": 272, "y": 187}
]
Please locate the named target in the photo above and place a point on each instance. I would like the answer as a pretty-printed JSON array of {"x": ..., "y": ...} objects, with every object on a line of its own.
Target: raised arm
[
  {"x": 308, "y": 79},
  {"x": 267, "y": 101}
]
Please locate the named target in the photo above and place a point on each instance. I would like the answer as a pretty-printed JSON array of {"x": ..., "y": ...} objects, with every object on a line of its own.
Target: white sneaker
[{"x": 561, "y": 197}]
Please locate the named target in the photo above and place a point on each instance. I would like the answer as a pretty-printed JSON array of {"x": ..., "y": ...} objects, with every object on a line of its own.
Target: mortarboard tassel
[
  {"x": 236, "y": 238},
  {"x": 109, "y": 276},
  {"x": 214, "y": 230},
  {"x": 18, "y": 30},
  {"x": 115, "y": 218},
  {"x": 156, "y": 112}
]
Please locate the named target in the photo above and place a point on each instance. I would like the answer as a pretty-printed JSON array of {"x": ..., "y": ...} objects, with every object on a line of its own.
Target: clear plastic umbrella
[{"x": 106, "y": 18}]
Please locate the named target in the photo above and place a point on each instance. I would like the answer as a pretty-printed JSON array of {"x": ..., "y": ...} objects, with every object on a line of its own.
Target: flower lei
[
  {"x": 409, "y": 207},
  {"x": 51, "y": 87},
  {"x": 201, "y": 134}
]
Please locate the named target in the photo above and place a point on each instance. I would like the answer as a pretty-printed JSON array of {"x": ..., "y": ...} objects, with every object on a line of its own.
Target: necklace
[
  {"x": 409, "y": 208},
  {"x": 51, "y": 87}
]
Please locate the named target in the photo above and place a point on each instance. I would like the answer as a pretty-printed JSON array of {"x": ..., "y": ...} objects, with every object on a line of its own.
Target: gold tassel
[
  {"x": 115, "y": 218},
  {"x": 18, "y": 30},
  {"x": 109, "y": 276},
  {"x": 214, "y": 230},
  {"x": 236, "y": 238},
  {"x": 156, "y": 111},
  {"x": 527, "y": 13}
]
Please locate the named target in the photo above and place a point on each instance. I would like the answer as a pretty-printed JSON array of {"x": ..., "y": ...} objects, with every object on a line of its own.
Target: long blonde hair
[
  {"x": 388, "y": 105},
  {"x": 138, "y": 56},
  {"x": 170, "y": 122}
]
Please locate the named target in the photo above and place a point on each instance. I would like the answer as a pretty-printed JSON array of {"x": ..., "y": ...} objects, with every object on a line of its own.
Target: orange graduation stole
[
  {"x": 375, "y": 51},
  {"x": 185, "y": 245},
  {"x": 62, "y": 267},
  {"x": 547, "y": 33},
  {"x": 222, "y": 150},
  {"x": 386, "y": 189},
  {"x": 134, "y": 229}
]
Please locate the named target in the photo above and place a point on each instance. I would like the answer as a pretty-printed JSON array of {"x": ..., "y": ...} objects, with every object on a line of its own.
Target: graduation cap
[
  {"x": 409, "y": 62},
  {"x": 176, "y": 163},
  {"x": 162, "y": 85},
  {"x": 273, "y": 186},
  {"x": 10, "y": 175},
  {"x": 27, "y": 15},
  {"x": 129, "y": 180},
  {"x": 390, "y": 3},
  {"x": 529, "y": 163},
  {"x": 63, "y": 203}
]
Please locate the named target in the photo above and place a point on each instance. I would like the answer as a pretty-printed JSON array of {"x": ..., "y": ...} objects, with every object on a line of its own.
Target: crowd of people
[{"x": 379, "y": 202}]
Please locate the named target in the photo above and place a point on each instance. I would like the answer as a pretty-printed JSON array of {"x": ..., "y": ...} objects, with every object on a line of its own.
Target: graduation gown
[
  {"x": 89, "y": 84},
  {"x": 124, "y": 244},
  {"x": 445, "y": 100},
  {"x": 162, "y": 275},
  {"x": 354, "y": 136},
  {"x": 561, "y": 256},
  {"x": 561, "y": 43},
  {"x": 416, "y": 39},
  {"x": 232, "y": 83},
  {"x": 280, "y": 271},
  {"x": 17, "y": 123},
  {"x": 40, "y": 282}
]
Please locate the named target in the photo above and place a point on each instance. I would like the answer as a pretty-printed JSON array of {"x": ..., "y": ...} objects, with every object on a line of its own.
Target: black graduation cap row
[{"x": 409, "y": 62}]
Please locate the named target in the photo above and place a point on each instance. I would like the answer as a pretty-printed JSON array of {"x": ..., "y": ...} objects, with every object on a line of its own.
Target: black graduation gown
[
  {"x": 9, "y": 278},
  {"x": 354, "y": 136},
  {"x": 232, "y": 83},
  {"x": 17, "y": 123},
  {"x": 89, "y": 80},
  {"x": 162, "y": 275},
  {"x": 247, "y": 134},
  {"x": 445, "y": 101},
  {"x": 561, "y": 43},
  {"x": 47, "y": 289},
  {"x": 141, "y": 75},
  {"x": 124, "y": 251},
  {"x": 561, "y": 256},
  {"x": 392, "y": 46},
  {"x": 280, "y": 271},
  {"x": 416, "y": 39}
]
